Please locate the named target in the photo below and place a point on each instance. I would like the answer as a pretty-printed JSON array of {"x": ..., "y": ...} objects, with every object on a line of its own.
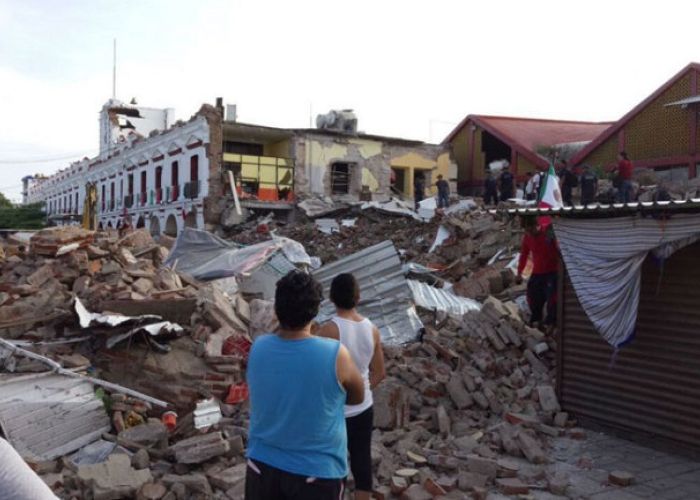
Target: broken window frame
[{"x": 340, "y": 181}]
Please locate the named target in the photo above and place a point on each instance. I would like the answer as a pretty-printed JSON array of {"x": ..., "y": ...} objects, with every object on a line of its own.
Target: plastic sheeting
[
  {"x": 429, "y": 297},
  {"x": 442, "y": 234},
  {"x": 208, "y": 257}
]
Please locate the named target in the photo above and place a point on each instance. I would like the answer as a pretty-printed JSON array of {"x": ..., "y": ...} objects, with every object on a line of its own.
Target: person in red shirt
[
  {"x": 539, "y": 242},
  {"x": 624, "y": 173}
]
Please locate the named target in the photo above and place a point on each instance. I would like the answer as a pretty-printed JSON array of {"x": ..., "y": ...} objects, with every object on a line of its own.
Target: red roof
[
  {"x": 532, "y": 133},
  {"x": 525, "y": 135}
]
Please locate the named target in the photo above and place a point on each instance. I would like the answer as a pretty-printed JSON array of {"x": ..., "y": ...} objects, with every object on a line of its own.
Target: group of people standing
[
  {"x": 311, "y": 396},
  {"x": 502, "y": 188}
]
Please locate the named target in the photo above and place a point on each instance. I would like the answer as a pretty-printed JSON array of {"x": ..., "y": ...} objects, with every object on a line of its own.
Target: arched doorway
[
  {"x": 171, "y": 226},
  {"x": 140, "y": 223},
  {"x": 109, "y": 225},
  {"x": 155, "y": 226},
  {"x": 191, "y": 218},
  {"x": 100, "y": 227}
]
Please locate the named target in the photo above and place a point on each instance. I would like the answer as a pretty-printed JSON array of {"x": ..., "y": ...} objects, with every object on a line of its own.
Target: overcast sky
[{"x": 408, "y": 68}]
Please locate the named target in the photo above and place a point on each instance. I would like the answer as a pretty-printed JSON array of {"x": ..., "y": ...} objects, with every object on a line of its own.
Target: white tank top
[{"x": 358, "y": 338}]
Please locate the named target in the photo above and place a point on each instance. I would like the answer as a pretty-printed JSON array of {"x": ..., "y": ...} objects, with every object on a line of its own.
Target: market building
[
  {"x": 661, "y": 132},
  {"x": 521, "y": 143}
]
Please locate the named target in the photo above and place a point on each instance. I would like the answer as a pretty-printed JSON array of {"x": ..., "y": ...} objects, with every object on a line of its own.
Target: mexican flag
[{"x": 550, "y": 194}]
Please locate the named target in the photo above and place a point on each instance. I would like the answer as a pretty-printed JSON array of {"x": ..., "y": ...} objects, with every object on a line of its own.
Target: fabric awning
[{"x": 604, "y": 258}]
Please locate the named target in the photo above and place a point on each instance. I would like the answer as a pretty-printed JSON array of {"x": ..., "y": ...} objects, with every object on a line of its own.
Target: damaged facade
[
  {"x": 159, "y": 182},
  {"x": 166, "y": 179}
]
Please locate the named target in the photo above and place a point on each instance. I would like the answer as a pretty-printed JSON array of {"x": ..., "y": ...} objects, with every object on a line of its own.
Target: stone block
[
  {"x": 228, "y": 478},
  {"x": 416, "y": 492},
  {"x": 114, "y": 478},
  {"x": 548, "y": 398},
  {"x": 512, "y": 486},
  {"x": 458, "y": 393},
  {"x": 621, "y": 478}
]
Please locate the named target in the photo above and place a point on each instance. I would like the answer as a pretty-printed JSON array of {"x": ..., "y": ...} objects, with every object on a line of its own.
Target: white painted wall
[{"x": 79, "y": 174}]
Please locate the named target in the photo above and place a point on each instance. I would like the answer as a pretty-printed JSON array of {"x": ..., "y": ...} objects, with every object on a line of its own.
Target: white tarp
[{"x": 208, "y": 257}]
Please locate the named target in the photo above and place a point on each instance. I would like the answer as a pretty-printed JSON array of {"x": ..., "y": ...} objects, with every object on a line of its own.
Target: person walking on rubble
[
  {"x": 532, "y": 187},
  {"x": 542, "y": 285},
  {"x": 418, "y": 189},
  {"x": 624, "y": 175},
  {"x": 443, "y": 192},
  {"x": 506, "y": 181},
  {"x": 299, "y": 384},
  {"x": 589, "y": 186},
  {"x": 568, "y": 181},
  {"x": 362, "y": 339},
  {"x": 490, "y": 189}
]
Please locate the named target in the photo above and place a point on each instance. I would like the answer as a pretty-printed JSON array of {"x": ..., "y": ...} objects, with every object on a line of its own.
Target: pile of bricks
[{"x": 470, "y": 409}]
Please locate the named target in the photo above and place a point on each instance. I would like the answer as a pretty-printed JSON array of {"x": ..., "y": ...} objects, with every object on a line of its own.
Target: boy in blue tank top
[{"x": 299, "y": 384}]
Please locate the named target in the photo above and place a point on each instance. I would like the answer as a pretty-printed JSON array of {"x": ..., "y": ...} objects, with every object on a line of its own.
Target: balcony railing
[
  {"x": 192, "y": 190},
  {"x": 143, "y": 198}
]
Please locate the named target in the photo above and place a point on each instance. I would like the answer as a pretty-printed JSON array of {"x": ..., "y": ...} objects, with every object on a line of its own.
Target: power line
[{"x": 45, "y": 159}]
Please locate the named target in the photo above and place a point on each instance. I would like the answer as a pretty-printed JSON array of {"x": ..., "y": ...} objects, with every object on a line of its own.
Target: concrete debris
[
  {"x": 201, "y": 448},
  {"x": 113, "y": 479},
  {"x": 469, "y": 409}
]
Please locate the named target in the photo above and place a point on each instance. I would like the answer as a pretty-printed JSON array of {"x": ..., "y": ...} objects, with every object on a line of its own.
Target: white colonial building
[{"x": 155, "y": 177}]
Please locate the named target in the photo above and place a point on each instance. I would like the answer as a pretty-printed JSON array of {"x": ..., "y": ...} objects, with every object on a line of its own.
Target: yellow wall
[
  {"x": 413, "y": 162},
  {"x": 279, "y": 149},
  {"x": 367, "y": 148},
  {"x": 462, "y": 153},
  {"x": 525, "y": 166},
  {"x": 479, "y": 172},
  {"x": 657, "y": 131}
]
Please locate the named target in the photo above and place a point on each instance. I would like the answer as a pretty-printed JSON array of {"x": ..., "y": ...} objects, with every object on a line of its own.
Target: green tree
[{"x": 4, "y": 202}]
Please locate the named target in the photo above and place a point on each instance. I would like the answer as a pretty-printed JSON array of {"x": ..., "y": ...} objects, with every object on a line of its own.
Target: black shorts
[
  {"x": 360, "y": 447},
  {"x": 264, "y": 482}
]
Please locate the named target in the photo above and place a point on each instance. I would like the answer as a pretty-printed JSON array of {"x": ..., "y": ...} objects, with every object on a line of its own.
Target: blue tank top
[{"x": 297, "y": 422}]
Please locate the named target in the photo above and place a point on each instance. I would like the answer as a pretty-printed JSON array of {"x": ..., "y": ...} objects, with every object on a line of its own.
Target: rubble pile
[
  {"x": 168, "y": 341},
  {"x": 469, "y": 409},
  {"x": 368, "y": 228}
]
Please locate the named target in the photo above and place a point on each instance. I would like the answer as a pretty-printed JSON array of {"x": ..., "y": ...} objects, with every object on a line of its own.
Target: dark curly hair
[
  {"x": 345, "y": 292},
  {"x": 297, "y": 299}
]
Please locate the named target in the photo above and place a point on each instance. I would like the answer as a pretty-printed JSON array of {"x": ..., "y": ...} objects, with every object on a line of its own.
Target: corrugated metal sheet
[
  {"x": 47, "y": 416},
  {"x": 264, "y": 280},
  {"x": 439, "y": 299},
  {"x": 386, "y": 298},
  {"x": 652, "y": 385}
]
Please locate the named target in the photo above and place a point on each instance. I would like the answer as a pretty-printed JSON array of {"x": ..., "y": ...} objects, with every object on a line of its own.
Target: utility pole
[{"x": 114, "y": 70}]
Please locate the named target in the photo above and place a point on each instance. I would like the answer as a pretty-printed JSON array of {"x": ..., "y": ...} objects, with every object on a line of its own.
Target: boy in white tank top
[{"x": 362, "y": 339}]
